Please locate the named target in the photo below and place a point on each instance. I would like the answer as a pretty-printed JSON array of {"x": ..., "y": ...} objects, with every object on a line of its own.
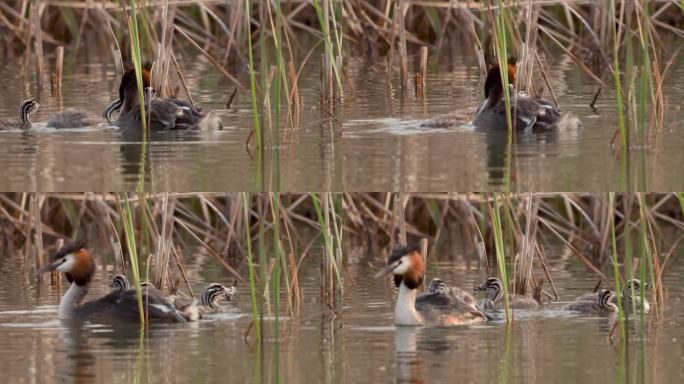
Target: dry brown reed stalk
[
  {"x": 401, "y": 10},
  {"x": 59, "y": 69},
  {"x": 421, "y": 76},
  {"x": 38, "y": 43}
]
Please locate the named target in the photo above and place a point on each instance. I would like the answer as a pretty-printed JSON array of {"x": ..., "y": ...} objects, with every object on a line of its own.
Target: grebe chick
[
  {"x": 604, "y": 303},
  {"x": 528, "y": 113},
  {"x": 494, "y": 300},
  {"x": 165, "y": 114},
  {"x": 436, "y": 308},
  {"x": 25, "y": 110},
  {"x": 631, "y": 297},
  {"x": 79, "y": 267},
  {"x": 72, "y": 119},
  {"x": 208, "y": 303},
  {"x": 120, "y": 284}
]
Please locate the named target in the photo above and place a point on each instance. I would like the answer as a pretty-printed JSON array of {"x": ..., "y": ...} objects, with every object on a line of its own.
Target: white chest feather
[
  {"x": 71, "y": 299},
  {"x": 405, "y": 311}
]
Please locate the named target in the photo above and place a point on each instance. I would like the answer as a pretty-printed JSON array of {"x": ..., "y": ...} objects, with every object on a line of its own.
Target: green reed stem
[
  {"x": 252, "y": 77},
  {"x": 250, "y": 268},
  {"x": 329, "y": 49},
  {"x": 646, "y": 252},
  {"x": 327, "y": 235},
  {"x": 500, "y": 252},
  {"x": 501, "y": 38},
  {"x": 618, "y": 82},
  {"x": 616, "y": 268},
  {"x": 129, "y": 230}
]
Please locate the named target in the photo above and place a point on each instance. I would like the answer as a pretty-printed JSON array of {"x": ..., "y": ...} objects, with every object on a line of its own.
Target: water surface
[
  {"x": 374, "y": 143},
  {"x": 356, "y": 343}
]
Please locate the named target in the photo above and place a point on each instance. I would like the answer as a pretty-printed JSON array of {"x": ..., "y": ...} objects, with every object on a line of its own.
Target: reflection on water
[
  {"x": 376, "y": 141},
  {"x": 356, "y": 343},
  {"x": 104, "y": 158},
  {"x": 383, "y": 137}
]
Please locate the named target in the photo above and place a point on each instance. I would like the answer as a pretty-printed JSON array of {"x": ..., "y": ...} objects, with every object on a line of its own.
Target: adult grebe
[
  {"x": 604, "y": 302},
  {"x": 528, "y": 113},
  {"x": 25, "y": 110},
  {"x": 78, "y": 266},
  {"x": 494, "y": 300},
  {"x": 446, "y": 307},
  {"x": 165, "y": 114}
]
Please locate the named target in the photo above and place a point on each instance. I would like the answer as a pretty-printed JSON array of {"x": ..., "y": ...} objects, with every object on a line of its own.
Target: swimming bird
[
  {"x": 494, "y": 300},
  {"x": 25, "y": 110},
  {"x": 604, "y": 303},
  {"x": 72, "y": 119},
  {"x": 528, "y": 113},
  {"x": 189, "y": 307},
  {"x": 631, "y": 297},
  {"x": 165, "y": 114},
  {"x": 79, "y": 267},
  {"x": 208, "y": 303},
  {"x": 434, "y": 308},
  {"x": 120, "y": 283}
]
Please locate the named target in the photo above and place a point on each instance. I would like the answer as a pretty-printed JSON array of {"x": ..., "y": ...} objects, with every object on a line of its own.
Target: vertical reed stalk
[
  {"x": 129, "y": 230},
  {"x": 618, "y": 82},
  {"x": 250, "y": 267},
  {"x": 616, "y": 268},
  {"x": 500, "y": 252},
  {"x": 252, "y": 76}
]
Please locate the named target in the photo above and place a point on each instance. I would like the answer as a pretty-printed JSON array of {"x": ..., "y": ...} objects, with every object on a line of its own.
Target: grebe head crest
[
  {"x": 493, "y": 88},
  {"x": 129, "y": 79},
  {"x": 406, "y": 264},
  {"x": 74, "y": 261}
]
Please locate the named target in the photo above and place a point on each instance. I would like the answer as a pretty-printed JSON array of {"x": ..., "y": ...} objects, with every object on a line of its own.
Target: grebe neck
[
  {"x": 405, "y": 311},
  {"x": 71, "y": 300}
]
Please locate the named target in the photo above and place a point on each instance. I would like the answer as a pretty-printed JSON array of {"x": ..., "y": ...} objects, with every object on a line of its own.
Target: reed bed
[
  {"x": 626, "y": 41},
  {"x": 262, "y": 239}
]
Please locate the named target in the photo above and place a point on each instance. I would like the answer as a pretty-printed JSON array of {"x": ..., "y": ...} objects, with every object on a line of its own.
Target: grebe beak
[
  {"x": 480, "y": 288},
  {"x": 388, "y": 269},
  {"x": 51, "y": 267}
]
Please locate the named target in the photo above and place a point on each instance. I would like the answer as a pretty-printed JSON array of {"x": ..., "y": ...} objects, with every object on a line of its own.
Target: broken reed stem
[
  {"x": 403, "y": 58},
  {"x": 421, "y": 76},
  {"x": 38, "y": 231},
  {"x": 59, "y": 69},
  {"x": 38, "y": 44}
]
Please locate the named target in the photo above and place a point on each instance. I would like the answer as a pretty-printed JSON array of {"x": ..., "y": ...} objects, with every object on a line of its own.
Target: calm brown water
[
  {"x": 377, "y": 144},
  {"x": 361, "y": 345}
]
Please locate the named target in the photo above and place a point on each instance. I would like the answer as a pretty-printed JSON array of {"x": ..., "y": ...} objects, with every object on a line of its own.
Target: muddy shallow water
[
  {"x": 359, "y": 344},
  {"x": 375, "y": 142}
]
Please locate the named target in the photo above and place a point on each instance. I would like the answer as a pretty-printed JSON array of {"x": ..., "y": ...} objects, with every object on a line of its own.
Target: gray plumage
[
  {"x": 73, "y": 119},
  {"x": 603, "y": 303},
  {"x": 495, "y": 298}
]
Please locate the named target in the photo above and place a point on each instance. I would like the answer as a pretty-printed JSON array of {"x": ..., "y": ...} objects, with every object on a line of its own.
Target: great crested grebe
[
  {"x": 493, "y": 287},
  {"x": 78, "y": 266},
  {"x": 604, "y": 302},
  {"x": 165, "y": 114},
  {"x": 528, "y": 113},
  {"x": 435, "y": 308},
  {"x": 25, "y": 110}
]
